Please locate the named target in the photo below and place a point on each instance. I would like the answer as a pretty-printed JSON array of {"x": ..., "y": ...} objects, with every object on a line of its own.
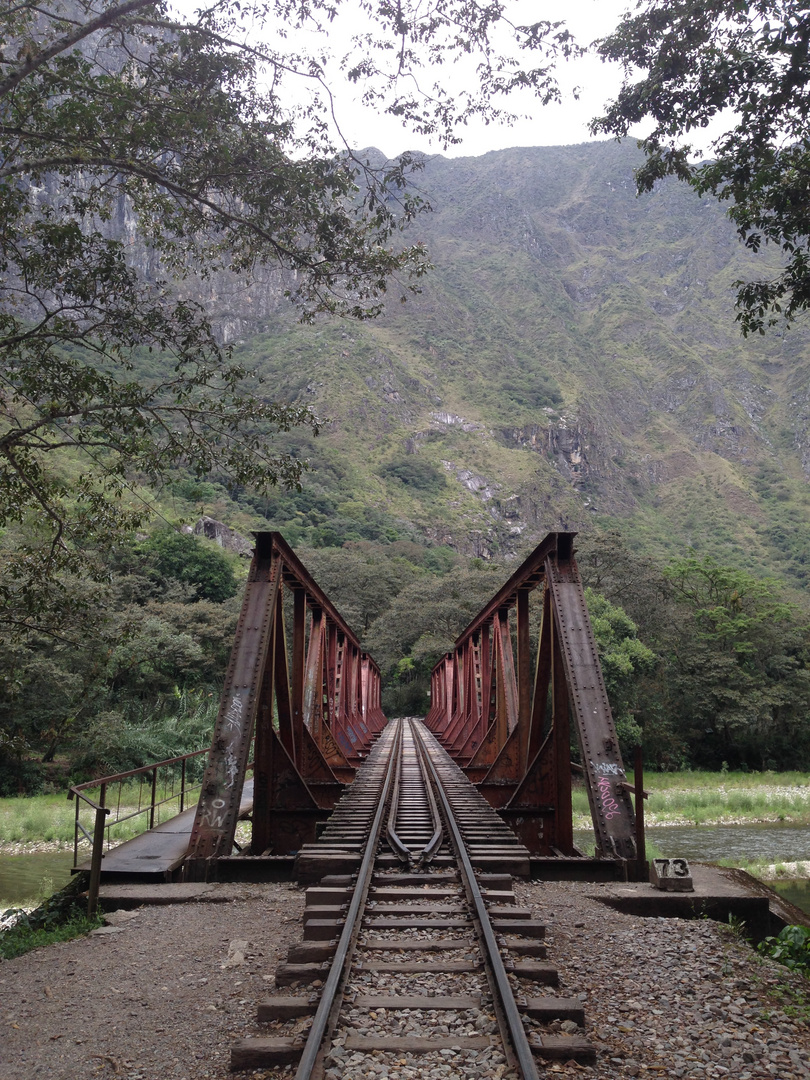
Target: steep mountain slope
[{"x": 572, "y": 358}]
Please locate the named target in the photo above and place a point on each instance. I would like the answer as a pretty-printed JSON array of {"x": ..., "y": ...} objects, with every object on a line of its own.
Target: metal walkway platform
[{"x": 157, "y": 853}]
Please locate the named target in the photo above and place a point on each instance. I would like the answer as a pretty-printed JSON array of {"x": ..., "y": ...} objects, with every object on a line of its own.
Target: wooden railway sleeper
[{"x": 399, "y": 900}]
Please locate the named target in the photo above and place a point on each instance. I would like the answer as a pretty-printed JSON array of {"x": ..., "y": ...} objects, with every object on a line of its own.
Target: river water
[
  {"x": 27, "y": 878},
  {"x": 24, "y": 879},
  {"x": 776, "y": 842}
]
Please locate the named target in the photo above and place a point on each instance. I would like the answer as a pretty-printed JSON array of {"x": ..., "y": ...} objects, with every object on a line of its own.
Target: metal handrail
[
  {"x": 101, "y": 812},
  {"x": 76, "y": 788}
]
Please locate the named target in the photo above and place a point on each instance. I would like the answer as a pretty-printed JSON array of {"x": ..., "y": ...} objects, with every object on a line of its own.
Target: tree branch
[{"x": 34, "y": 61}]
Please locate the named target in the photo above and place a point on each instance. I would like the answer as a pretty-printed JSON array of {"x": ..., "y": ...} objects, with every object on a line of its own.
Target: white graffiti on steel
[
  {"x": 214, "y": 817},
  {"x": 607, "y": 768},
  {"x": 231, "y": 767},
  {"x": 233, "y": 717}
]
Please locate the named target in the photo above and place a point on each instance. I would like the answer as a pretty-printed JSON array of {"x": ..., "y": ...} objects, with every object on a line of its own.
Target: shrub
[
  {"x": 790, "y": 947},
  {"x": 193, "y": 562},
  {"x": 414, "y": 473},
  {"x": 20, "y": 776}
]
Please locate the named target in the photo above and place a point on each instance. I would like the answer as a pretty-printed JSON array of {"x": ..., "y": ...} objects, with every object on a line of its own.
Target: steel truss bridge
[{"x": 301, "y": 709}]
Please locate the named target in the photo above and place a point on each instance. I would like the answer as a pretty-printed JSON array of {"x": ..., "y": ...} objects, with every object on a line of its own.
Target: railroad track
[{"x": 416, "y": 955}]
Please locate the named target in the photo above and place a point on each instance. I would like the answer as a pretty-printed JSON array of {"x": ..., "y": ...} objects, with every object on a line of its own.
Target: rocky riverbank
[{"x": 161, "y": 995}]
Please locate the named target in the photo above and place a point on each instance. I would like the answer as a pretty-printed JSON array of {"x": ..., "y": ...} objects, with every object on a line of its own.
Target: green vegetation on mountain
[
  {"x": 742, "y": 69},
  {"x": 151, "y": 157},
  {"x": 571, "y": 363}
]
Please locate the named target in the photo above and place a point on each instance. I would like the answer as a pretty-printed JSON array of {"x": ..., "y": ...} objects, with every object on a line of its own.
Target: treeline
[
  {"x": 128, "y": 668},
  {"x": 704, "y": 664}
]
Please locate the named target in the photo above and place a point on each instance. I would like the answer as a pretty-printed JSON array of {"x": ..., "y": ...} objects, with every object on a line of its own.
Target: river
[
  {"x": 24, "y": 879},
  {"x": 774, "y": 841},
  {"x": 27, "y": 878}
]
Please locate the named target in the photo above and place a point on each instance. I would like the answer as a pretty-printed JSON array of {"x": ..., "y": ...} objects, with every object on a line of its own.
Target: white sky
[
  {"x": 560, "y": 124},
  {"x": 552, "y": 125}
]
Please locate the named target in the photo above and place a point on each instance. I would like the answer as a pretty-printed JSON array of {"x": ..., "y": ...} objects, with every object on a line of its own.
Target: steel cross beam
[
  {"x": 507, "y": 720},
  {"x": 309, "y": 709}
]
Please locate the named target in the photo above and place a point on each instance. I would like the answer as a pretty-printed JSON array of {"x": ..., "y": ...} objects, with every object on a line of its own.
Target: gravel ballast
[{"x": 163, "y": 994}]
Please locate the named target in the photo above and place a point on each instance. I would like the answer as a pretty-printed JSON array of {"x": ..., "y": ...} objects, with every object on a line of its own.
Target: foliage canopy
[
  {"x": 139, "y": 147},
  {"x": 689, "y": 64}
]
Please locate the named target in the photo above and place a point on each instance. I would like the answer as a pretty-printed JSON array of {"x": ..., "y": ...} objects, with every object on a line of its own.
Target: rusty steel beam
[
  {"x": 313, "y": 708},
  {"x": 507, "y": 721}
]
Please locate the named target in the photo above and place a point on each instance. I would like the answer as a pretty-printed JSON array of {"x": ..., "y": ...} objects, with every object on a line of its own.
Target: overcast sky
[{"x": 552, "y": 125}]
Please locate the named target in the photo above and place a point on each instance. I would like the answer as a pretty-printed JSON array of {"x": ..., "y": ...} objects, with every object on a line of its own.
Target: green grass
[
  {"x": 50, "y": 818},
  {"x": 59, "y": 918},
  {"x": 698, "y": 779},
  {"x": 22, "y": 937},
  {"x": 701, "y": 798}
]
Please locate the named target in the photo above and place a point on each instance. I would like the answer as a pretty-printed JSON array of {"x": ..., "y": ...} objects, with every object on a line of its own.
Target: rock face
[
  {"x": 573, "y": 356},
  {"x": 227, "y": 538}
]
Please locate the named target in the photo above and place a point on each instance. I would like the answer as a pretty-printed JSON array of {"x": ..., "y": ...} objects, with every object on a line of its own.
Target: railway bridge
[
  {"x": 301, "y": 710},
  {"x": 406, "y": 834}
]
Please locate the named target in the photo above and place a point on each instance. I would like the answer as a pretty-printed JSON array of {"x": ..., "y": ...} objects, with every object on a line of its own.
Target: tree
[
  {"x": 688, "y": 63},
  {"x": 197, "y": 563},
  {"x": 624, "y": 660},
  {"x": 117, "y": 117},
  {"x": 739, "y": 680},
  {"x": 361, "y": 584},
  {"x": 421, "y": 625}
]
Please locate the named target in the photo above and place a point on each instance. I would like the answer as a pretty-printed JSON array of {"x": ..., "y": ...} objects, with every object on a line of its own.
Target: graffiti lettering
[
  {"x": 233, "y": 717},
  {"x": 607, "y": 768},
  {"x": 231, "y": 767},
  {"x": 610, "y": 808},
  {"x": 213, "y": 817}
]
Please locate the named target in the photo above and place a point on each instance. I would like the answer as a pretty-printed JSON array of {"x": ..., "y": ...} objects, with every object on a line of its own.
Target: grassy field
[
  {"x": 678, "y": 798},
  {"x": 47, "y": 821},
  {"x": 704, "y": 798}
]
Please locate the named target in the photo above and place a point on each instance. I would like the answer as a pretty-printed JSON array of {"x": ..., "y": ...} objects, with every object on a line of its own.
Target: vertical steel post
[
  {"x": 154, "y": 797},
  {"x": 263, "y": 750},
  {"x": 297, "y": 688},
  {"x": 182, "y": 784},
  {"x": 95, "y": 860},
  {"x": 75, "y": 829},
  {"x": 563, "y": 812},
  {"x": 640, "y": 796},
  {"x": 524, "y": 681}
]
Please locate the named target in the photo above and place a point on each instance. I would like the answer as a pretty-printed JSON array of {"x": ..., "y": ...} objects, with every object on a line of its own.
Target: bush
[
  {"x": 413, "y": 473},
  {"x": 59, "y": 918},
  {"x": 791, "y": 947},
  {"x": 20, "y": 776},
  {"x": 193, "y": 562}
]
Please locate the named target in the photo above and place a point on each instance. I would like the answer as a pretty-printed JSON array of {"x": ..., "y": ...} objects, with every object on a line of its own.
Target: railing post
[
  {"x": 95, "y": 861},
  {"x": 154, "y": 797},
  {"x": 75, "y": 829},
  {"x": 102, "y": 802},
  {"x": 182, "y": 784},
  {"x": 640, "y": 796}
]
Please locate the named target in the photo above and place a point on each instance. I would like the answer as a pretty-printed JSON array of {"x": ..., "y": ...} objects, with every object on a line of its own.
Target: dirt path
[
  {"x": 153, "y": 1001},
  {"x": 156, "y": 1000}
]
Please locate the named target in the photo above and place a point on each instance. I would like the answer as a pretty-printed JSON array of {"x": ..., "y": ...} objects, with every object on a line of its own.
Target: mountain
[{"x": 572, "y": 359}]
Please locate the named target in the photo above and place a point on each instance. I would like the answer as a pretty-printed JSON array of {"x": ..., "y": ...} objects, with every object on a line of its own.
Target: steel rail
[
  {"x": 347, "y": 941},
  {"x": 517, "y": 1033},
  {"x": 429, "y": 850},
  {"x": 400, "y": 850}
]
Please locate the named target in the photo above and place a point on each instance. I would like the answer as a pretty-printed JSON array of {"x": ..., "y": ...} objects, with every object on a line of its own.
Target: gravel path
[
  {"x": 672, "y": 997},
  {"x": 157, "y": 1000},
  {"x": 163, "y": 997}
]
